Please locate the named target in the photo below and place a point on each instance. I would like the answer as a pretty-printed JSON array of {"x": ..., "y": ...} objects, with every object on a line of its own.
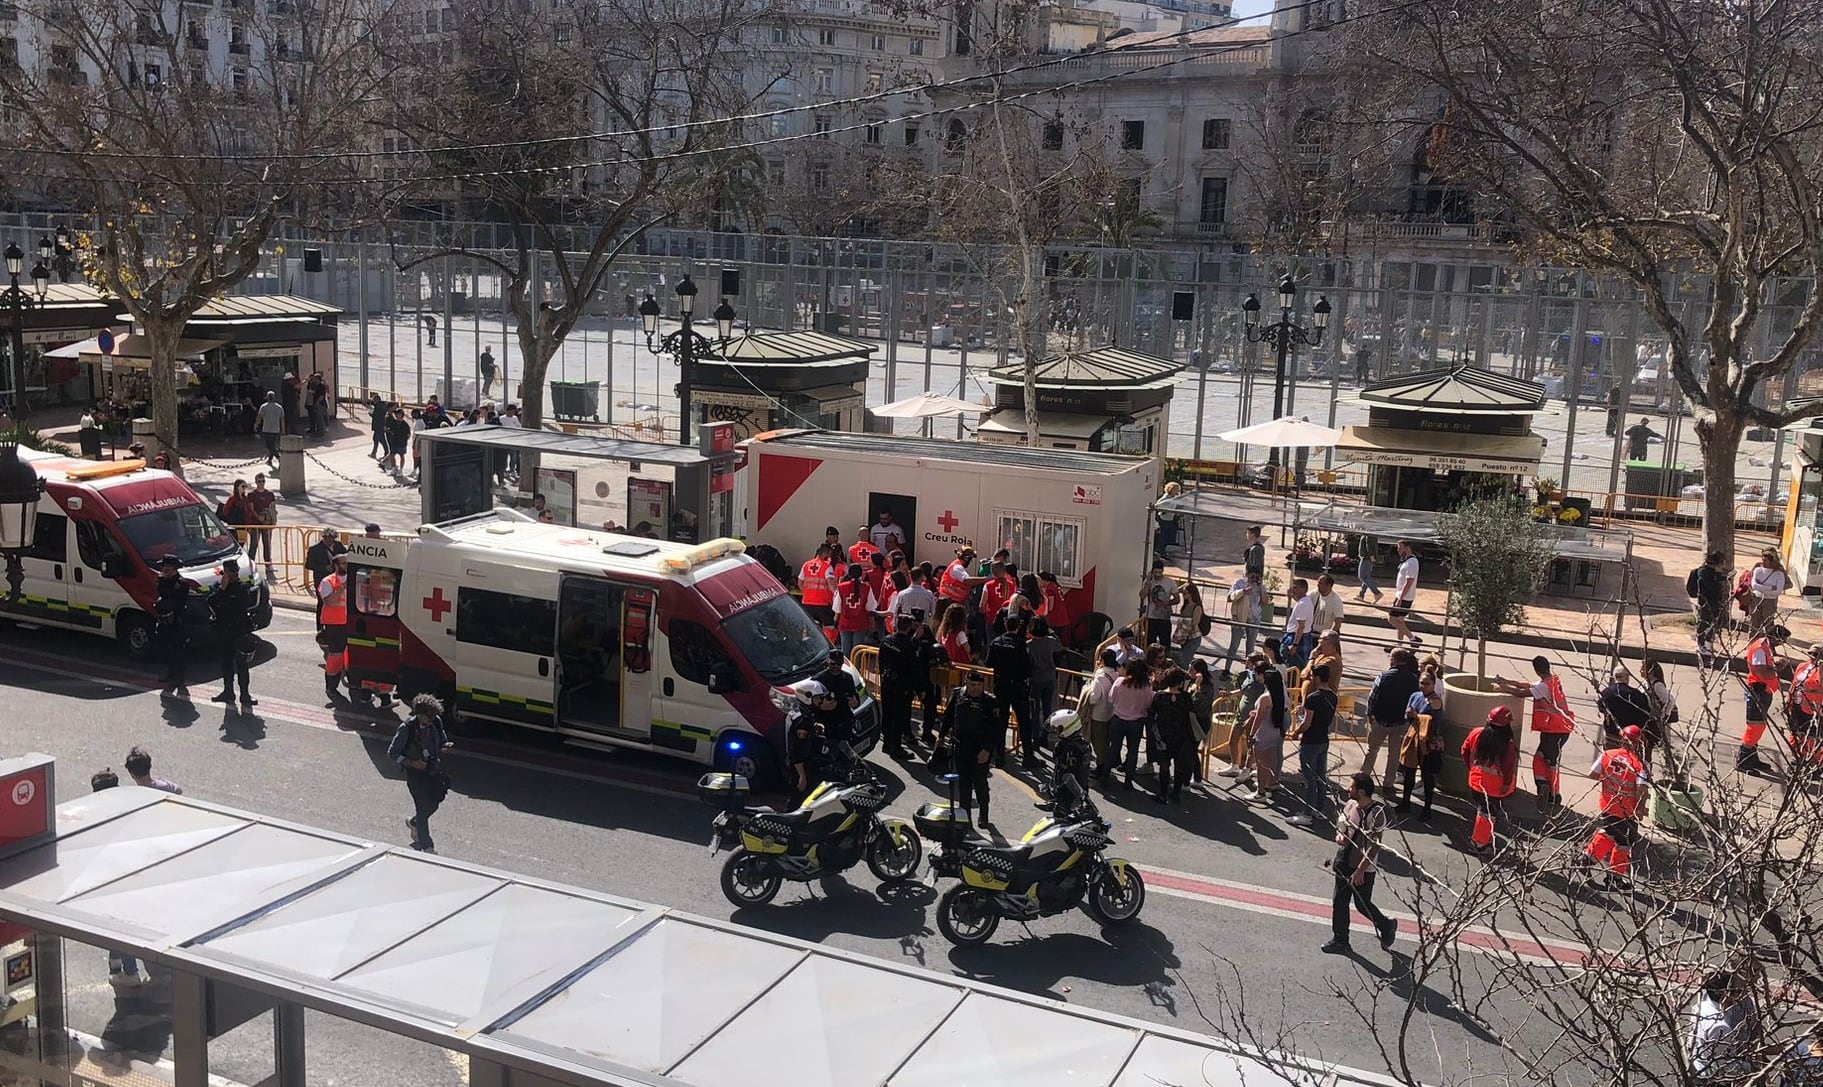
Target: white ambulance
[
  {"x": 102, "y": 529},
  {"x": 604, "y": 639}
]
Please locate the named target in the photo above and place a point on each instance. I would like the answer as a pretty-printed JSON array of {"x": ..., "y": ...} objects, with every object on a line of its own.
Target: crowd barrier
[{"x": 282, "y": 549}]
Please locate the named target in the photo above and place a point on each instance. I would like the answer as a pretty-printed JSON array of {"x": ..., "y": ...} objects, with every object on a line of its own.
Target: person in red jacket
[
  {"x": 1492, "y": 757},
  {"x": 1553, "y": 721},
  {"x": 814, "y": 586},
  {"x": 855, "y": 608},
  {"x": 1623, "y": 785}
]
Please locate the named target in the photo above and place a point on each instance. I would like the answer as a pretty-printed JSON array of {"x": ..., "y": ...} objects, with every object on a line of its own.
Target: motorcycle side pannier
[
  {"x": 938, "y": 822},
  {"x": 723, "y": 790}
]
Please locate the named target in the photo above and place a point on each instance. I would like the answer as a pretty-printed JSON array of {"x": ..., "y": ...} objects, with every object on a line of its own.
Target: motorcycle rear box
[
  {"x": 938, "y": 822},
  {"x": 723, "y": 790}
]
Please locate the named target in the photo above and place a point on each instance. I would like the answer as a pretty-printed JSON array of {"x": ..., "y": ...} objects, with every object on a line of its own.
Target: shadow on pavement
[{"x": 1131, "y": 956}]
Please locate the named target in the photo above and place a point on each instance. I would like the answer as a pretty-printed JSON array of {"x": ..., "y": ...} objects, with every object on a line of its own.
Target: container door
[
  {"x": 591, "y": 659},
  {"x": 504, "y": 655},
  {"x": 904, "y": 508}
]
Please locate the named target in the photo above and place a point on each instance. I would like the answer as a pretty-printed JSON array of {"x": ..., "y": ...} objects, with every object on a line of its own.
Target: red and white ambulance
[
  {"x": 102, "y": 529},
  {"x": 604, "y": 639}
]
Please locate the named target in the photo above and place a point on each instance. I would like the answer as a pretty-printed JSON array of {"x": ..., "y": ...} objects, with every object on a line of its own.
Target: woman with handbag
[
  {"x": 418, "y": 745},
  {"x": 1189, "y": 625},
  {"x": 234, "y": 513},
  {"x": 1421, "y": 751}
]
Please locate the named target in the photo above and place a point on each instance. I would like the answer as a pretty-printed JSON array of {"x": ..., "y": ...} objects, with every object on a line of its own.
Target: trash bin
[{"x": 576, "y": 400}]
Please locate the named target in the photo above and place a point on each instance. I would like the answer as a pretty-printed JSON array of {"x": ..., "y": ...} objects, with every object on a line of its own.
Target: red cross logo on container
[{"x": 948, "y": 523}]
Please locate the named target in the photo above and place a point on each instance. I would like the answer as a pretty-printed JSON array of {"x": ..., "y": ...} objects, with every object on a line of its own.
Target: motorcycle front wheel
[
  {"x": 1110, "y": 903},
  {"x": 891, "y": 863},
  {"x": 747, "y": 880},
  {"x": 966, "y": 916}
]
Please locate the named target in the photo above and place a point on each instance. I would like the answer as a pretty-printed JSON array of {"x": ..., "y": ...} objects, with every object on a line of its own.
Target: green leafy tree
[{"x": 1498, "y": 558}]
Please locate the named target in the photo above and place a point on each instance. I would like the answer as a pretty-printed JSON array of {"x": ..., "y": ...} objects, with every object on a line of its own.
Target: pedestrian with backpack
[
  {"x": 1707, "y": 588},
  {"x": 418, "y": 745}
]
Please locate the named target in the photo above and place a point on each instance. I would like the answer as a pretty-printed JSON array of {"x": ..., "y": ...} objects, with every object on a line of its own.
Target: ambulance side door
[
  {"x": 47, "y": 567},
  {"x": 505, "y": 643}
]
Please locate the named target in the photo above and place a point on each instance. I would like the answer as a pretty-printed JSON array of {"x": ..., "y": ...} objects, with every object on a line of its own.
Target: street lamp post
[
  {"x": 19, "y": 491},
  {"x": 685, "y": 344},
  {"x": 18, "y": 301},
  {"x": 1283, "y": 334}
]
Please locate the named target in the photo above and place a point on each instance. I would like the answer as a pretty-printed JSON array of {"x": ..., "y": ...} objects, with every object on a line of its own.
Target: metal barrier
[
  {"x": 283, "y": 547},
  {"x": 947, "y": 677}
]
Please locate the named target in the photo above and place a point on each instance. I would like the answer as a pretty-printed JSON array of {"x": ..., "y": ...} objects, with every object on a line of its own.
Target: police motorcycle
[
  {"x": 837, "y": 825},
  {"x": 1059, "y": 865}
]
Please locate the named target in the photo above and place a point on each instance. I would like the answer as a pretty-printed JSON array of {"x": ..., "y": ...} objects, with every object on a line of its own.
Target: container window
[{"x": 1039, "y": 542}]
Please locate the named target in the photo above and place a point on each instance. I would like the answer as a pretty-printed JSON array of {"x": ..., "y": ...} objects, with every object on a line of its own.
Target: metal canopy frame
[
  {"x": 587, "y": 446},
  {"x": 559, "y": 985}
]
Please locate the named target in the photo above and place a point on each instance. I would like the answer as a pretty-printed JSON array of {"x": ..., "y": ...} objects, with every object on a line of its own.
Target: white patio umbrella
[
  {"x": 926, "y": 406},
  {"x": 1289, "y": 432}
]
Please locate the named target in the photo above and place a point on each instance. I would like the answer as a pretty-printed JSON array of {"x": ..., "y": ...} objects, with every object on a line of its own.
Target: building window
[
  {"x": 822, "y": 128},
  {"x": 955, "y": 136},
  {"x": 873, "y": 82},
  {"x": 826, "y": 37},
  {"x": 238, "y": 79},
  {"x": 879, "y": 43},
  {"x": 780, "y": 35},
  {"x": 1053, "y": 135},
  {"x": 518, "y": 624},
  {"x": 1132, "y": 138},
  {"x": 155, "y": 76},
  {"x": 9, "y": 53},
  {"x": 1214, "y": 206},
  {"x": 873, "y": 133},
  {"x": 911, "y": 135},
  {"x": 1041, "y": 542},
  {"x": 237, "y": 39},
  {"x": 775, "y": 173},
  {"x": 823, "y": 80},
  {"x": 819, "y": 177},
  {"x": 915, "y": 47},
  {"x": 1217, "y": 133},
  {"x": 779, "y": 123}
]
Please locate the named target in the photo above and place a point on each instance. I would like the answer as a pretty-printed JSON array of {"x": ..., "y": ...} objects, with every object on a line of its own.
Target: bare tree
[
  {"x": 579, "y": 128},
  {"x": 1675, "y": 145},
  {"x": 185, "y": 163}
]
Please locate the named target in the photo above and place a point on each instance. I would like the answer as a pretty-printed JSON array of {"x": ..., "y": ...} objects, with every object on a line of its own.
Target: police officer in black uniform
[
  {"x": 231, "y": 618},
  {"x": 168, "y": 621},
  {"x": 901, "y": 675},
  {"x": 970, "y": 722},
  {"x": 930, "y": 655},
  {"x": 837, "y": 713},
  {"x": 1011, "y": 662}
]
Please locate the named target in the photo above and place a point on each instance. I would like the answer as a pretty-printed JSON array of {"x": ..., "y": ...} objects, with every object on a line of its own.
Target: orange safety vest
[
  {"x": 335, "y": 605},
  {"x": 951, "y": 587},
  {"x": 1807, "y": 688},
  {"x": 1761, "y": 668},
  {"x": 994, "y": 596},
  {"x": 813, "y": 583},
  {"x": 1552, "y": 715},
  {"x": 854, "y": 615},
  {"x": 861, "y": 552},
  {"x": 1621, "y": 788},
  {"x": 1495, "y": 781}
]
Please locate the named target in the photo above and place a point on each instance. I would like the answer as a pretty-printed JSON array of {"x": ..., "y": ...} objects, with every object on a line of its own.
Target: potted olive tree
[{"x": 1498, "y": 558}]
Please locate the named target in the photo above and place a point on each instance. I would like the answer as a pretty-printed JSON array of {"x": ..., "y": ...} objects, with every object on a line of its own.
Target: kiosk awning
[
  {"x": 1051, "y": 424},
  {"x": 1439, "y": 451}
]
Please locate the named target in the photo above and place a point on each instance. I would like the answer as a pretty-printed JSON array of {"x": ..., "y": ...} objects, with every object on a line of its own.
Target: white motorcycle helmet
[{"x": 1064, "y": 724}]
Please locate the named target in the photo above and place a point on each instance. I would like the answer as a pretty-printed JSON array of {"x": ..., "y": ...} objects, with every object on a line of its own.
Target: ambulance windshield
[
  {"x": 190, "y": 532},
  {"x": 779, "y": 639}
]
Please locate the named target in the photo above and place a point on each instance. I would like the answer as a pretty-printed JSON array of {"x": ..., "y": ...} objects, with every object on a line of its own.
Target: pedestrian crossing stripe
[
  {"x": 63, "y": 611},
  {"x": 682, "y": 731},
  {"x": 530, "y": 707},
  {"x": 375, "y": 643}
]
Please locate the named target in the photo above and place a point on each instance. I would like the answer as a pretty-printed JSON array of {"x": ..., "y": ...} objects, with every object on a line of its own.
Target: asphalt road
[{"x": 1239, "y": 899}]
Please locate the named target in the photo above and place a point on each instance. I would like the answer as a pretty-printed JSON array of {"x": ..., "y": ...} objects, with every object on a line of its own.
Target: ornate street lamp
[
  {"x": 18, "y": 300},
  {"x": 1284, "y": 334},
  {"x": 685, "y": 344},
  {"x": 19, "y": 491}
]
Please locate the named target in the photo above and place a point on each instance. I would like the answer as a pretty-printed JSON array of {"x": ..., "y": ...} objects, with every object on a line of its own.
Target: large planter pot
[
  {"x": 1467, "y": 701},
  {"x": 1675, "y": 808}
]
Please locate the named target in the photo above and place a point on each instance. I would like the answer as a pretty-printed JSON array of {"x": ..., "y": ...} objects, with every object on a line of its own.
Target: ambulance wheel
[
  {"x": 135, "y": 633},
  {"x": 748, "y": 756}
]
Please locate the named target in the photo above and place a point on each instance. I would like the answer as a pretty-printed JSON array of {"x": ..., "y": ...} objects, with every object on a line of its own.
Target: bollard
[{"x": 291, "y": 465}]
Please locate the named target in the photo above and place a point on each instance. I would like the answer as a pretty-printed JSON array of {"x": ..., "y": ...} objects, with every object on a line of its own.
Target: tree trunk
[
  {"x": 162, "y": 337},
  {"x": 1720, "y": 439},
  {"x": 1481, "y": 658},
  {"x": 535, "y": 352}
]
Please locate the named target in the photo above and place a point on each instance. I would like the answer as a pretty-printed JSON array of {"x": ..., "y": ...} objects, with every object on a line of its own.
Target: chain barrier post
[{"x": 291, "y": 465}]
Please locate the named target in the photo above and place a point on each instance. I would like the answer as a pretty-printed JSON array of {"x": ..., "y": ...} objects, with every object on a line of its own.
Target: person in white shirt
[
  {"x": 1329, "y": 606},
  {"x": 1300, "y": 625},
  {"x": 1724, "y": 1028},
  {"x": 886, "y": 534},
  {"x": 1244, "y": 600},
  {"x": 1765, "y": 585},
  {"x": 912, "y": 599},
  {"x": 1405, "y": 593}
]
